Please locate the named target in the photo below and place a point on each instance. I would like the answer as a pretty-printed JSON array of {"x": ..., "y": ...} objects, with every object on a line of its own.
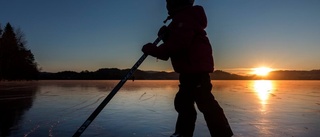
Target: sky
[{"x": 80, "y": 35}]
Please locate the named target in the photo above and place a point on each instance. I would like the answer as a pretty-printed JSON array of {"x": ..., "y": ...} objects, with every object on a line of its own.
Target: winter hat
[
  {"x": 174, "y": 5},
  {"x": 178, "y": 3}
]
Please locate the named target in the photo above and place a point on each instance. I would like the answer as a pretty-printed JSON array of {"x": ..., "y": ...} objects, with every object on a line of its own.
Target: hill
[
  {"x": 117, "y": 74},
  {"x": 294, "y": 75}
]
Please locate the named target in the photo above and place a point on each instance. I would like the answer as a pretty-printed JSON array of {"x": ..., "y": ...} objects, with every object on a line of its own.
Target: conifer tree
[
  {"x": 0, "y": 31},
  {"x": 17, "y": 62},
  {"x": 1, "y": 57}
]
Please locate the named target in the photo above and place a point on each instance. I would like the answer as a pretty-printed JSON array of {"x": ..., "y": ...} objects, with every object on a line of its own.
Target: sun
[{"x": 262, "y": 71}]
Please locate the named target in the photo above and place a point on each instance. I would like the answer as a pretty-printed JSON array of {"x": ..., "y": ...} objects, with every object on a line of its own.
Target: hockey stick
[{"x": 112, "y": 93}]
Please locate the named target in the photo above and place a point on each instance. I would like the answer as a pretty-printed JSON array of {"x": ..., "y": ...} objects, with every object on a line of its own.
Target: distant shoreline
[{"x": 116, "y": 74}]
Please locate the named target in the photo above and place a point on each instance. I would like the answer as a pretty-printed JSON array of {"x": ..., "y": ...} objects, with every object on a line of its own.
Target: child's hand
[
  {"x": 163, "y": 33},
  {"x": 149, "y": 48}
]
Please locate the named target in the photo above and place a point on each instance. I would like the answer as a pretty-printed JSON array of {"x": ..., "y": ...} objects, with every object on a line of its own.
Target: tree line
[
  {"x": 107, "y": 74},
  {"x": 16, "y": 61},
  {"x": 117, "y": 74}
]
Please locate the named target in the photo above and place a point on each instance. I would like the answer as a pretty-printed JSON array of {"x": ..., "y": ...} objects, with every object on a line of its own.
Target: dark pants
[{"x": 196, "y": 88}]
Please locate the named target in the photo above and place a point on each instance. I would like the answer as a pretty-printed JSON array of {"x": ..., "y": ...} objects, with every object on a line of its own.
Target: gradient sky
[{"x": 87, "y": 35}]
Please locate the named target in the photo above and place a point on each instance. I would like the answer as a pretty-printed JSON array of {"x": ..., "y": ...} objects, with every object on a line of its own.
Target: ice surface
[{"x": 145, "y": 108}]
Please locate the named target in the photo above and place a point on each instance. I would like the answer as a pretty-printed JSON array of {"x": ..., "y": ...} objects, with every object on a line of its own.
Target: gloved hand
[
  {"x": 149, "y": 49},
  {"x": 164, "y": 33}
]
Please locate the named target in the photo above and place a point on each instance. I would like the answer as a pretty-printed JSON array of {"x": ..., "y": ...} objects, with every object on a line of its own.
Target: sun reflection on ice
[{"x": 263, "y": 88}]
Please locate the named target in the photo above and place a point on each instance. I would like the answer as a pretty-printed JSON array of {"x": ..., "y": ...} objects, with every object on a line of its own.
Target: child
[{"x": 186, "y": 44}]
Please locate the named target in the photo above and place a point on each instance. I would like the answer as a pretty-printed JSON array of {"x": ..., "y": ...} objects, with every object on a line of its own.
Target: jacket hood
[{"x": 199, "y": 16}]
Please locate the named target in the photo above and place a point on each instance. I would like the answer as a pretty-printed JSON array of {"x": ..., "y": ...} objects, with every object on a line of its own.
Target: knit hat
[
  {"x": 174, "y": 5},
  {"x": 178, "y": 3}
]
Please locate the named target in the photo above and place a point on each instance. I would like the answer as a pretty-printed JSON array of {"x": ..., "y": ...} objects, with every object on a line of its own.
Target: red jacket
[{"x": 187, "y": 43}]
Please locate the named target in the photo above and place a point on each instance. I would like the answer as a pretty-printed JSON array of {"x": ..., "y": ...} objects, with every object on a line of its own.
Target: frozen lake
[{"x": 259, "y": 108}]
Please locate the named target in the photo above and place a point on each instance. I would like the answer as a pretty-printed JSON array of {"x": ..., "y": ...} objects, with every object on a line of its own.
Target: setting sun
[{"x": 262, "y": 71}]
